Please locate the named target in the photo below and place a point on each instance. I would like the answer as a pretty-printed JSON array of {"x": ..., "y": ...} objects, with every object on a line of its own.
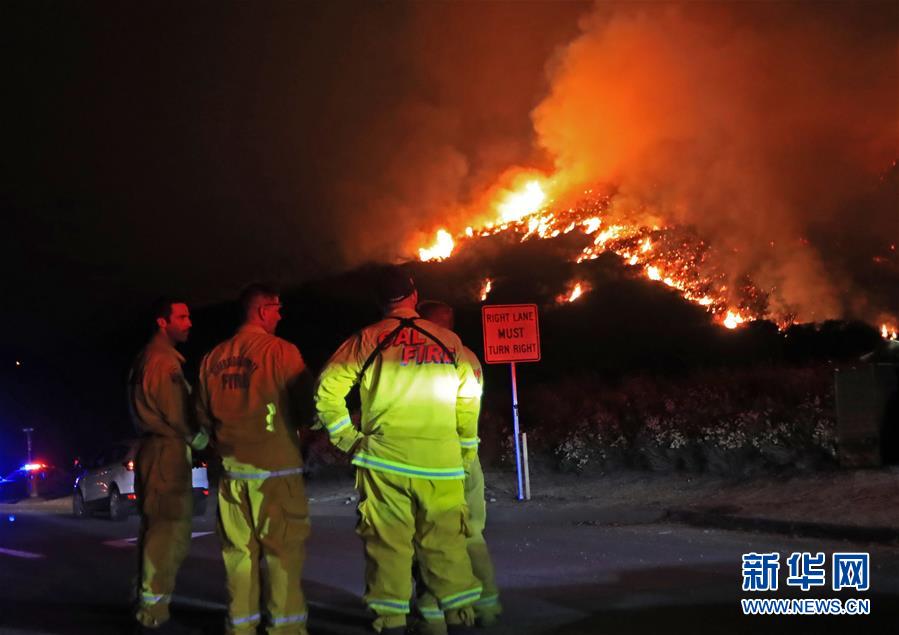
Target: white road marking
[
  {"x": 124, "y": 543},
  {"x": 21, "y": 554},
  {"x": 200, "y": 534}
]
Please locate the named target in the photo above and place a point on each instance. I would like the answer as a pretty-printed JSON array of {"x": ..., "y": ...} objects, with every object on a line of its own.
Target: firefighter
[
  {"x": 488, "y": 606},
  {"x": 254, "y": 389},
  {"x": 159, "y": 403},
  {"x": 418, "y": 430}
]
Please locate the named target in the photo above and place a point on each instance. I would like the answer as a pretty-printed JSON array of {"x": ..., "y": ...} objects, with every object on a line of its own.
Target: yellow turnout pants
[
  {"x": 401, "y": 516},
  {"x": 487, "y": 606},
  {"x": 166, "y": 506},
  {"x": 264, "y": 518}
]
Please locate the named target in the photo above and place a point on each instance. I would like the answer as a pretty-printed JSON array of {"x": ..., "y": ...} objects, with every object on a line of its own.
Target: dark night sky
[{"x": 165, "y": 148}]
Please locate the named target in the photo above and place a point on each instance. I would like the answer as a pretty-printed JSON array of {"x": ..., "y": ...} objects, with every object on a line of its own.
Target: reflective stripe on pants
[
  {"x": 396, "y": 512},
  {"x": 166, "y": 506},
  {"x": 265, "y": 518},
  {"x": 479, "y": 554}
]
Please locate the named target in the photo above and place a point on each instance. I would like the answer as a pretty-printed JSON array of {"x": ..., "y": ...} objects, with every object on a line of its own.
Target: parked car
[
  {"x": 106, "y": 483},
  {"x": 48, "y": 482}
]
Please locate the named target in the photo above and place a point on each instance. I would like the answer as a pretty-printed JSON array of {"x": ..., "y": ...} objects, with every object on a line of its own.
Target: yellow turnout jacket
[{"x": 419, "y": 405}]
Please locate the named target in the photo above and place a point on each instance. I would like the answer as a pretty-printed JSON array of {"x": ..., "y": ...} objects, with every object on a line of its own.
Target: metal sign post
[
  {"x": 527, "y": 472},
  {"x": 511, "y": 334},
  {"x": 516, "y": 432}
]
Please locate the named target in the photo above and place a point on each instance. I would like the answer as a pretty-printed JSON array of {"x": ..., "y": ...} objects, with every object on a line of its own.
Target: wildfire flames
[
  {"x": 525, "y": 212},
  {"x": 485, "y": 289},
  {"x": 441, "y": 249},
  {"x": 667, "y": 255},
  {"x": 523, "y": 203},
  {"x": 572, "y": 294}
]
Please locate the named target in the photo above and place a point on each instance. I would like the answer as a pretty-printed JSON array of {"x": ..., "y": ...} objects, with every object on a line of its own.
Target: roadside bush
[{"x": 729, "y": 423}]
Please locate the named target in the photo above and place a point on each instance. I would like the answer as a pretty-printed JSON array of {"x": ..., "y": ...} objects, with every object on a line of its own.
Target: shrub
[{"x": 727, "y": 422}]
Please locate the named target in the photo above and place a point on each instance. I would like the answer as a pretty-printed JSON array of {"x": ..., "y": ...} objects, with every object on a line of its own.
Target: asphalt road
[{"x": 563, "y": 569}]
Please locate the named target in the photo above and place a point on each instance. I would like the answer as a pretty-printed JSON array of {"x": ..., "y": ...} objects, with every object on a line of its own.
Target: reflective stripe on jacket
[{"x": 417, "y": 404}]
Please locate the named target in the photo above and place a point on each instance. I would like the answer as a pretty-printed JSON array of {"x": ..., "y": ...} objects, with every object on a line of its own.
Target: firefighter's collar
[
  {"x": 252, "y": 328},
  {"x": 402, "y": 312},
  {"x": 160, "y": 341}
]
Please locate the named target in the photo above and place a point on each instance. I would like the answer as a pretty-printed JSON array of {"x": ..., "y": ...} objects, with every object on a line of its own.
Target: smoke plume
[{"x": 768, "y": 127}]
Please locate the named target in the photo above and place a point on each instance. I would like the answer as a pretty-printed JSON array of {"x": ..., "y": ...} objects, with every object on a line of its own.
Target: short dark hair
[
  {"x": 162, "y": 307},
  {"x": 253, "y": 292}
]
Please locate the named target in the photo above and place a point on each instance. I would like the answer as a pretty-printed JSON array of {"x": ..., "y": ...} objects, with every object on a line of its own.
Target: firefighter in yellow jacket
[
  {"x": 420, "y": 403},
  {"x": 159, "y": 403},
  {"x": 488, "y": 606},
  {"x": 254, "y": 389}
]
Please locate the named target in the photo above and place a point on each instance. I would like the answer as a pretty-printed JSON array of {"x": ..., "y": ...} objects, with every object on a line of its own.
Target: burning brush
[{"x": 666, "y": 255}]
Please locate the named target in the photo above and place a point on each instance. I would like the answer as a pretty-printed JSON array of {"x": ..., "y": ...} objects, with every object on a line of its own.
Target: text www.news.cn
[{"x": 806, "y": 606}]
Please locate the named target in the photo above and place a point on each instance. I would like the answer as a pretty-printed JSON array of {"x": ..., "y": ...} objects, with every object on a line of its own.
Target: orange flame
[
  {"x": 889, "y": 332},
  {"x": 733, "y": 320},
  {"x": 576, "y": 292},
  {"x": 573, "y": 293},
  {"x": 441, "y": 249},
  {"x": 524, "y": 202},
  {"x": 485, "y": 289}
]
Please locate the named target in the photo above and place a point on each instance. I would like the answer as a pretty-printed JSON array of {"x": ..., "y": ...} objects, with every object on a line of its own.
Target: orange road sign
[{"x": 511, "y": 333}]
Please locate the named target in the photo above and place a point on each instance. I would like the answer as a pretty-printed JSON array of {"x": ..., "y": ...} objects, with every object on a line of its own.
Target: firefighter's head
[
  {"x": 172, "y": 319},
  {"x": 440, "y": 313},
  {"x": 395, "y": 289},
  {"x": 261, "y": 306}
]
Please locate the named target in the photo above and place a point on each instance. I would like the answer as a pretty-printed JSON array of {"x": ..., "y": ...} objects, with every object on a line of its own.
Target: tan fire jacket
[
  {"x": 158, "y": 394},
  {"x": 251, "y": 395}
]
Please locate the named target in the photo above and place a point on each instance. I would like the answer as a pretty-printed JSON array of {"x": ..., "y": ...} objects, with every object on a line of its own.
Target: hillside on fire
[{"x": 631, "y": 375}]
